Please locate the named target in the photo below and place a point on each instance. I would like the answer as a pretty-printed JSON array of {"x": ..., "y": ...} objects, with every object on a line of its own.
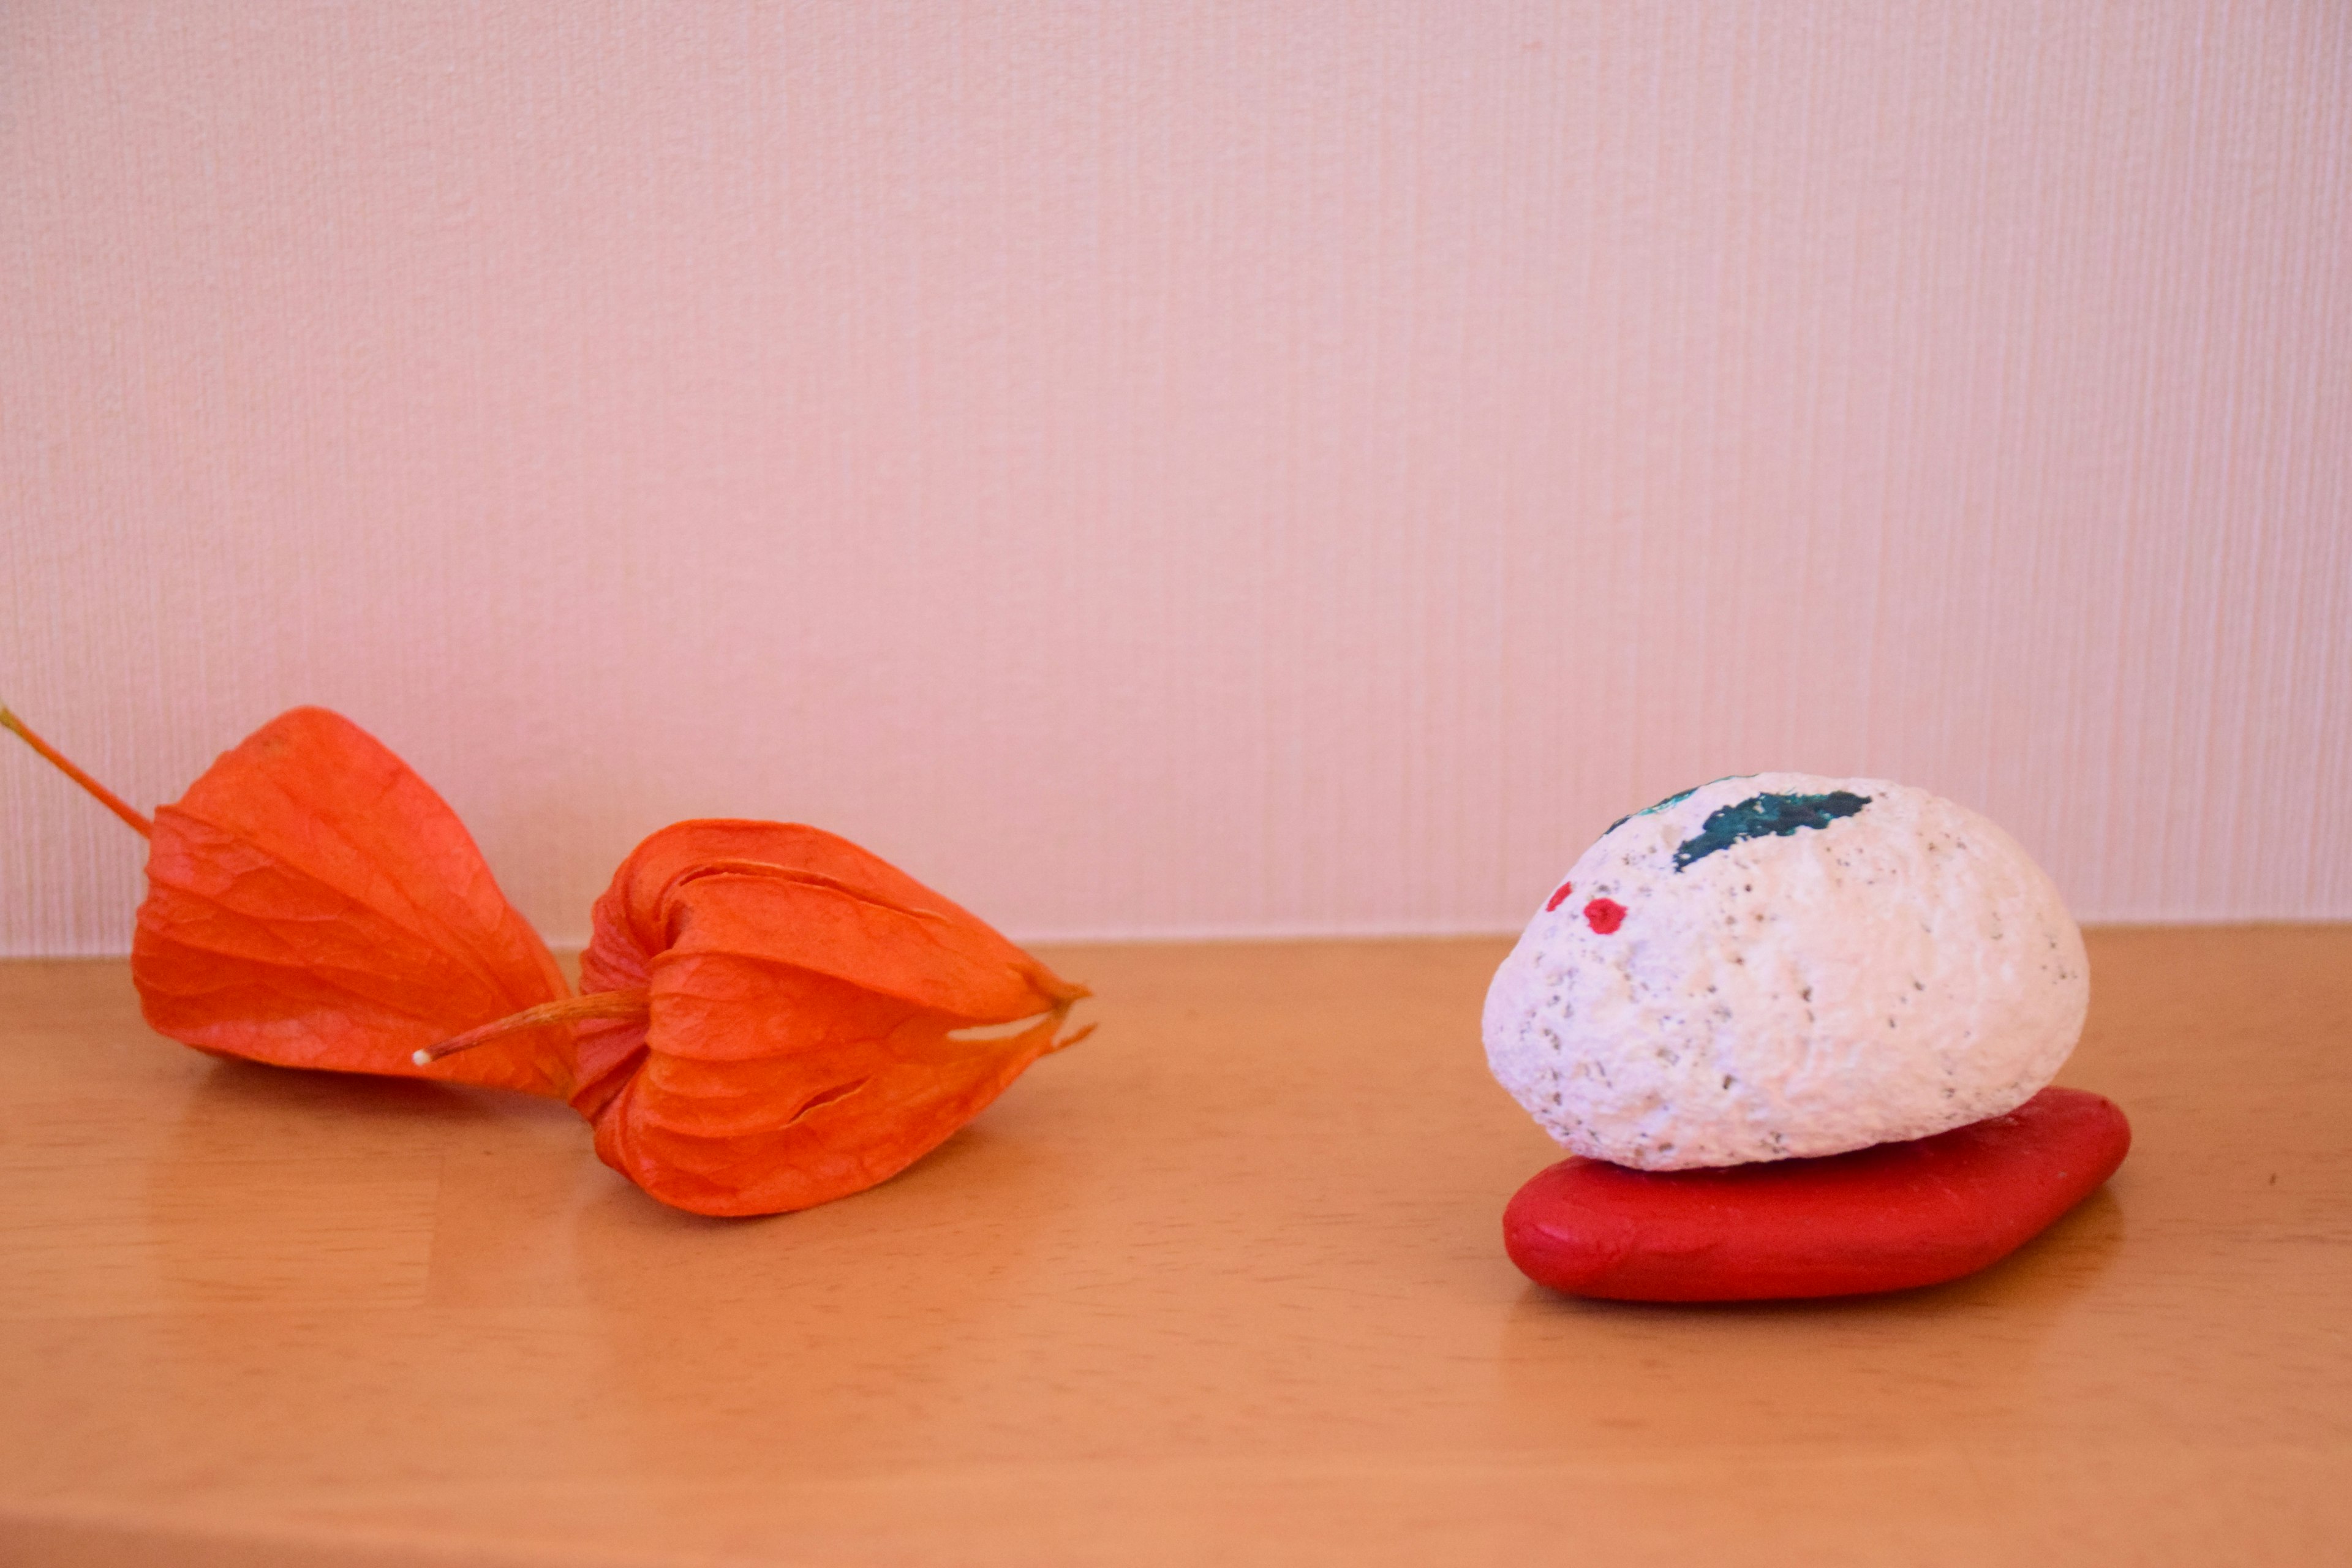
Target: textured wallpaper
[{"x": 1188, "y": 469}]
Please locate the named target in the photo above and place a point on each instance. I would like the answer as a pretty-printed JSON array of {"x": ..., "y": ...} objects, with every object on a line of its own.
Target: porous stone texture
[{"x": 1761, "y": 969}]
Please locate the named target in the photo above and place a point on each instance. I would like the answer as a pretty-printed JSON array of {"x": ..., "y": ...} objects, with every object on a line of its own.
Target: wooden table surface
[{"x": 1221, "y": 1284}]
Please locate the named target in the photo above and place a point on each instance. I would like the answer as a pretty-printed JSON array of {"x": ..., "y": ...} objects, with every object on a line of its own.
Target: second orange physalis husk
[{"x": 794, "y": 1017}]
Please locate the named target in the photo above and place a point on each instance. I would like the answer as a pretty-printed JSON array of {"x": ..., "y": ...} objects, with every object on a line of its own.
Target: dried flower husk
[
  {"x": 805, "y": 1004},
  {"x": 312, "y": 903},
  {"x": 776, "y": 1017}
]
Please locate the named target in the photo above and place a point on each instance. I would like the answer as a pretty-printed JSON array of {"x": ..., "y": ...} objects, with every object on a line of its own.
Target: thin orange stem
[
  {"x": 64, "y": 764},
  {"x": 571, "y": 1010}
]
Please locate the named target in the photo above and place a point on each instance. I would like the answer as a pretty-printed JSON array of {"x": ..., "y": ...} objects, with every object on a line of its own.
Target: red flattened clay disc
[{"x": 1883, "y": 1218}]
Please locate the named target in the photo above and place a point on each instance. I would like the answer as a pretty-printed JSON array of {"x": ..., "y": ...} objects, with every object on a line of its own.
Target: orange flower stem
[
  {"x": 64, "y": 764},
  {"x": 571, "y": 1010}
]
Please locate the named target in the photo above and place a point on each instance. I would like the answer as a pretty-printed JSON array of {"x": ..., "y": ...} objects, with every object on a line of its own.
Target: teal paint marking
[
  {"x": 1766, "y": 817},
  {"x": 1676, "y": 799}
]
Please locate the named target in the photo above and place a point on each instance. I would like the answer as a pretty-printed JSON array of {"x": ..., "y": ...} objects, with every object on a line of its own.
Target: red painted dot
[
  {"x": 1604, "y": 915},
  {"x": 1565, "y": 888}
]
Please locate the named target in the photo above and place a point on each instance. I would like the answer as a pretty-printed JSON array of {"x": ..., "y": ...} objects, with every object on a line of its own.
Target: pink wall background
[{"x": 1191, "y": 467}]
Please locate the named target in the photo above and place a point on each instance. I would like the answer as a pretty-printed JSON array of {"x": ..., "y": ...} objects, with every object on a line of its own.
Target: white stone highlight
[{"x": 1896, "y": 973}]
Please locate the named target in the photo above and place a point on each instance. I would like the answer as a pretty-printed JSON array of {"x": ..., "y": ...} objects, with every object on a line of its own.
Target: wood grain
[{"x": 1225, "y": 1283}]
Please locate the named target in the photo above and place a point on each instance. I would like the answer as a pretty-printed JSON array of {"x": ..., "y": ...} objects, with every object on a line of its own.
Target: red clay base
[{"x": 1883, "y": 1218}]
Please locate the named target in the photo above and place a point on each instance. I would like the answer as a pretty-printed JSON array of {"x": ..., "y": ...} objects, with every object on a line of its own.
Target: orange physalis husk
[
  {"x": 788, "y": 1018},
  {"x": 312, "y": 903}
]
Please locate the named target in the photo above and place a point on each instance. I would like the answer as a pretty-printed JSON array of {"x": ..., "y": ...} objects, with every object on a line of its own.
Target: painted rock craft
[{"x": 1797, "y": 1032}]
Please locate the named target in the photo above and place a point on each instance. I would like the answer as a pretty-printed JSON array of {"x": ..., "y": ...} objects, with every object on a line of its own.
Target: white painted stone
[{"x": 1894, "y": 973}]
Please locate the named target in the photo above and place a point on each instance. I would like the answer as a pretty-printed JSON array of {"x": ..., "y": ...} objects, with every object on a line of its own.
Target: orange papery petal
[
  {"x": 805, "y": 998},
  {"x": 855, "y": 916},
  {"x": 312, "y": 903},
  {"x": 684, "y": 850},
  {"x": 919, "y": 1088},
  {"x": 942, "y": 963}
]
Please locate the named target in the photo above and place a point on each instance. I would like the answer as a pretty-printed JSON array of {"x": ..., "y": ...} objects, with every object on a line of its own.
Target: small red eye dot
[
  {"x": 1604, "y": 915},
  {"x": 1556, "y": 898}
]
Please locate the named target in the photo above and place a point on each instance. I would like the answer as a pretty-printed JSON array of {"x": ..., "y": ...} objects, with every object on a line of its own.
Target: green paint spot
[{"x": 1766, "y": 817}]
